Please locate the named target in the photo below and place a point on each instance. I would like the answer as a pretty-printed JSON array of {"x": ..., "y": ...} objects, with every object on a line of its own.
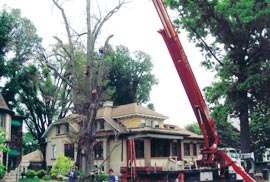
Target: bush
[
  {"x": 2, "y": 171},
  {"x": 60, "y": 178},
  {"x": 29, "y": 180},
  {"x": 46, "y": 178},
  {"x": 103, "y": 177},
  {"x": 30, "y": 174},
  {"x": 62, "y": 165},
  {"x": 41, "y": 173},
  {"x": 53, "y": 176}
]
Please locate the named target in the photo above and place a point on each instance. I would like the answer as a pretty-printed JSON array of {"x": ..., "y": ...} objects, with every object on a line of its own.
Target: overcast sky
[{"x": 134, "y": 26}]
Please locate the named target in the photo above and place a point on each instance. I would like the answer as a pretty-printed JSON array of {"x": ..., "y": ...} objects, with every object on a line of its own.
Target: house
[
  {"x": 32, "y": 160},
  {"x": 157, "y": 144},
  {"x": 12, "y": 124}
]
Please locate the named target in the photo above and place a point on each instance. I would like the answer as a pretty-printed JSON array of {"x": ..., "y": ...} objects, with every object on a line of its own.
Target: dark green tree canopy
[
  {"x": 194, "y": 127},
  {"x": 20, "y": 45},
  {"x": 130, "y": 75},
  {"x": 234, "y": 36}
]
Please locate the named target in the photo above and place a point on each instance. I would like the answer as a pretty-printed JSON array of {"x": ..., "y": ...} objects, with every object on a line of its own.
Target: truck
[{"x": 216, "y": 164}]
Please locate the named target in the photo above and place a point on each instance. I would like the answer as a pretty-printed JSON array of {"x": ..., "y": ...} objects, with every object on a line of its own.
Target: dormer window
[
  {"x": 2, "y": 120},
  {"x": 58, "y": 130},
  {"x": 156, "y": 124},
  {"x": 142, "y": 123},
  {"x": 102, "y": 125},
  {"x": 67, "y": 128}
]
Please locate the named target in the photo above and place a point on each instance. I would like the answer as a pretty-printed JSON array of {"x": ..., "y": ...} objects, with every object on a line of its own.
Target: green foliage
[
  {"x": 101, "y": 177},
  {"x": 46, "y": 178},
  {"x": 234, "y": 37},
  {"x": 61, "y": 166},
  {"x": 41, "y": 173},
  {"x": 4, "y": 149},
  {"x": 29, "y": 143},
  {"x": 53, "y": 176},
  {"x": 194, "y": 127},
  {"x": 130, "y": 75},
  {"x": 5, "y": 28},
  {"x": 29, "y": 180},
  {"x": 2, "y": 171},
  {"x": 30, "y": 173},
  {"x": 260, "y": 132}
]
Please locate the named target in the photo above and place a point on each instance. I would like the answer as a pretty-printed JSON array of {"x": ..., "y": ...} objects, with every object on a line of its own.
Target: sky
[{"x": 134, "y": 26}]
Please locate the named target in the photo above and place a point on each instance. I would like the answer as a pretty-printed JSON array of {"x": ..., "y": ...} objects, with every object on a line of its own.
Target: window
[
  {"x": 99, "y": 150},
  {"x": 2, "y": 120},
  {"x": 139, "y": 146},
  {"x": 58, "y": 130},
  {"x": 160, "y": 148},
  {"x": 53, "y": 151},
  {"x": 174, "y": 149},
  {"x": 156, "y": 124},
  {"x": 148, "y": 123},
  {"x": 186, "y": 149},
  {"x": 195, "y": 150},
  {"x": 69, "y": 150},
  {"x": 142, "y": 123},
  {"x": 67, "y": 128},
  {"x": 94, "y": 128},
  {"x": 268, "y": 156},
  {"x": 102, "y": 127}
]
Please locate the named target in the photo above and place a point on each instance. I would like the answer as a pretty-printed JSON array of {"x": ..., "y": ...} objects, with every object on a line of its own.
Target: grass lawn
[{"x": 35, "y": 180}]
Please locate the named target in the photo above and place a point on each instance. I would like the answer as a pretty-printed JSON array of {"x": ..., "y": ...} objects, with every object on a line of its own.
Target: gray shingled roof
[
  {"x": 3, "y": 104},
  {"x": 134, "y": 110}
]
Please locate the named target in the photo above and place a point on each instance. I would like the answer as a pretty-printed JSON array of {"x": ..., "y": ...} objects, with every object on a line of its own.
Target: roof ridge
[{"x": 3, "y": 104}]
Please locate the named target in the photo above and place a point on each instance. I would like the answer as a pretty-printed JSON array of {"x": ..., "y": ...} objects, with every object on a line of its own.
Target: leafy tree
[
  {"x": 43, "y": 97},
  {"x": 29, "y": 143},
  {"x": 31, "y": 89},
  {"x": 131, "y": 76},
  {"x": 194, "y": 127},
  {"x": 260, "y": 132},
  {"x": 3, "y": 148},
  {"x": 62, "y": 165},
  {"x": 234, "y": 35},
  {"x": 20, "y": 45},
  {"x": 5, "y": 29}
]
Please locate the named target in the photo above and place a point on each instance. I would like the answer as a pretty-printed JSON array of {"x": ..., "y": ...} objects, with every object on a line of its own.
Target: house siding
[
  {"x": 114, "y": 135},
  {"x": 59, "y": 141}
]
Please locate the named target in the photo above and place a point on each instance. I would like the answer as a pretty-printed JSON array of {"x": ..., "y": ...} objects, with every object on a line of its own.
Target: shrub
[
  {"x": 46, "y": 178},
  {"x": 53, "y": 176},
  {"x": 2, "y": 171},
  {"x": 103, "y": 177},
  {"x": 29, "y": 180},
  {"x": 30, "y": 173},
  {"x": 4, "y": 149},
  {"x": 60, "y": 178},
  {"x": 41, "y": 173},
  {"x": 62, "y": 165}
]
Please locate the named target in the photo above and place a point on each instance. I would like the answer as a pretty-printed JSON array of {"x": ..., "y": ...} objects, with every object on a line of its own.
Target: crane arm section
[
  {"x": 210, "y": 153},
  {"x": 187, "y": 77}
]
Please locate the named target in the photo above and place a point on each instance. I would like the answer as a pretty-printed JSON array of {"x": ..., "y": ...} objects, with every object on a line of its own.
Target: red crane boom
[{"x": 210, "y": 153}]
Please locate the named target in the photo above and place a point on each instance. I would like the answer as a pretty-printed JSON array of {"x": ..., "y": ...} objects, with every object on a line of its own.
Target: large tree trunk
[
  {"x": 243, "y": 116},
  {"x": 244, "y": 129}
]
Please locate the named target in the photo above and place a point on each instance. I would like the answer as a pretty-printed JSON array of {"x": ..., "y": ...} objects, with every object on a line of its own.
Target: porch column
[{"x": 147, "y": 152}]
